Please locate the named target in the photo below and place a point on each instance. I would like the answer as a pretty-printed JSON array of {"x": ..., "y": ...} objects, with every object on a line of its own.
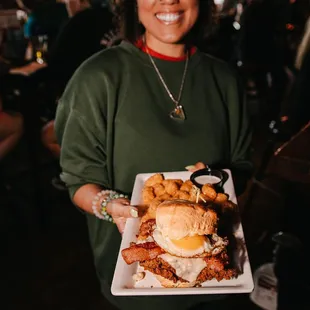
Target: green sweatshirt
[{"x": 113, "y": 123}]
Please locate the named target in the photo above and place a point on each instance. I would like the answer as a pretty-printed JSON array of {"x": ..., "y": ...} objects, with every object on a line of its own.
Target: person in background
[
  {"x": 11, "y": 130},
  {"x": 153, "y": 103},
  {"x": 75, "y": 6},
  {"x": 46, "y": 18},
  {"x": 11, "y": 123},
  {"x": 296, "y": 111},
  {"x": 226, "y": 31},
  {"x": 304, "y": 46},
  {"x": 80, "y": 38},
  {"x": 21, "y": 5},
  {"x": 256, "y": 41}
]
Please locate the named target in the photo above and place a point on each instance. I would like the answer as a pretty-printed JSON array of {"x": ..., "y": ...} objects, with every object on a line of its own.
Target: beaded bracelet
[{"x": 101, "y": 201}]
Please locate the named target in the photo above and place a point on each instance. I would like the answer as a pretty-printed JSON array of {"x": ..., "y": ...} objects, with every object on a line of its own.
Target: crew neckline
[
  {"x": 142, "y": 56},
  {"x": 141, "y": 46}
]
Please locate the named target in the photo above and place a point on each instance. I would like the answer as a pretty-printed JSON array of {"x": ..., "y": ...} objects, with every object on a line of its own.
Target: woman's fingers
[
  {"x": 190, "y": 168},
  {"x": 120, "y": 223},
  {"x": 197, "y": 166},
  {"x": 121, "y": 208},
  {"x": 200, "y": 165}
]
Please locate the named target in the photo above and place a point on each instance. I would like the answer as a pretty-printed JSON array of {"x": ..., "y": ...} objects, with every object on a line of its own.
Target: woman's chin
[{"x": 171, "y": 39}]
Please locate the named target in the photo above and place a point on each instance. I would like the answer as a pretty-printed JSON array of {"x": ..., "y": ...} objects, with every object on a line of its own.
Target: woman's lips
[{"x": 169, "y": 18}]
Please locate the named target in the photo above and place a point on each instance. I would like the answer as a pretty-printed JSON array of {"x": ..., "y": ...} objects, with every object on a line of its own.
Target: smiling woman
[{"x": 154, "y": 103}]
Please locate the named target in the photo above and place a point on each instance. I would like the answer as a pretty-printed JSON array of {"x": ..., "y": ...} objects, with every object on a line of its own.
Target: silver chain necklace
[{"x": 177, "y": 113}]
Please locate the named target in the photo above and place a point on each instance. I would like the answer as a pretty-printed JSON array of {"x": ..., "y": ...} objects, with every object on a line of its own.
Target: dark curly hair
[{"x": 131, "y": 29}]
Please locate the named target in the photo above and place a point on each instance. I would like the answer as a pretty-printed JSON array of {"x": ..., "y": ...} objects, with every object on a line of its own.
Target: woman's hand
[
  {"x": 197, "y": 166},
  {"x": 120, "y": 210}
]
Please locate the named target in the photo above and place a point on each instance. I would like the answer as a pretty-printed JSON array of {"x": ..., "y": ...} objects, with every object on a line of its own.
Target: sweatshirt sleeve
[{"x": 80, "y": 127}]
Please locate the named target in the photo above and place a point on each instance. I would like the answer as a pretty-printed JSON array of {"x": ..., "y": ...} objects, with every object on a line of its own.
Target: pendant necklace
[{"x": 177, "y": 113}]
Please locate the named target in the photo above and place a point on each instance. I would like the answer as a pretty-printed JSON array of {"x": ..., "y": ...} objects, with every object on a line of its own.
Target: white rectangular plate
[{"x": 123, "y": 284}]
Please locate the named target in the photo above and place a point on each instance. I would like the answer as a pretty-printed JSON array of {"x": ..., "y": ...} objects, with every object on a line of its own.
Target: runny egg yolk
[{"x": 190, "y": 242}]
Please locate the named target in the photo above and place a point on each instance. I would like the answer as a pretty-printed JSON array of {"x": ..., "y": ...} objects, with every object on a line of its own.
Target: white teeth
[{"x": 168, "y": 17}]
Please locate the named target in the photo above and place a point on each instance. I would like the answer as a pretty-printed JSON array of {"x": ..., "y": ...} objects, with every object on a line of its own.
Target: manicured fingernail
[
  {"x": 190, "y": 167},
  {"x": 133, "y": 212}
]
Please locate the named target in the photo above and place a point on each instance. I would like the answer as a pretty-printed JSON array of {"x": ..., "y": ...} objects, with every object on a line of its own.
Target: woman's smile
[
  {"x": 167, "y": 21},
  {"x": 169, "y": 18}
]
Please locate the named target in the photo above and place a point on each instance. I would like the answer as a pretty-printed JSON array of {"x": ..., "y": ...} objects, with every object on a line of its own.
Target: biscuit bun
[
  {"x": 170, "y": 284},
  {"x": 177, "y": 219}
]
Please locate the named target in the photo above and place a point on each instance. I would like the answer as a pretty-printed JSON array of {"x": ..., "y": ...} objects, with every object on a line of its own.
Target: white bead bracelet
[{"x": 100, "y": 202}]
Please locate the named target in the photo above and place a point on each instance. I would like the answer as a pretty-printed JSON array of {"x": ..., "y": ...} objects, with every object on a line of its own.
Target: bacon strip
[
  {"x": 141, "y": 252},
  {"x": 147, "y": 228}
]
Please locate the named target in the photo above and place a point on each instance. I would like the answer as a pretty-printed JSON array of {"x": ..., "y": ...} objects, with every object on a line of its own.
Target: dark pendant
[{"x": 178, "y": 114}]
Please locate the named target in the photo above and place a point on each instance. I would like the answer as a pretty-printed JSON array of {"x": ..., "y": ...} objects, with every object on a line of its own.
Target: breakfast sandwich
[{"x": 178, "y": 243}]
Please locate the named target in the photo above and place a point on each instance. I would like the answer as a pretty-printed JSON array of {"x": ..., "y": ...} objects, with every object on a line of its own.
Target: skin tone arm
[
  {"x": 49, "y": 139},
  {"x": 120, "y": 209},
  {"x": 11, "y": 130}
]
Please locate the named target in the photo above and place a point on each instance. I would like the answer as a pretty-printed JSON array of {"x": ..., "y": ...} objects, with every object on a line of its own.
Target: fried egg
[
  {"x": 185, "y": 268},
  {"x": 190, "y": 246}
]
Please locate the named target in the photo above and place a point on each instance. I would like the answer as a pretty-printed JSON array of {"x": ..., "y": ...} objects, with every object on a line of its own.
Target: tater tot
[
  {"x": 182, "y": 195},
  {"x": 187, "y": 186},
  {"x": 204, "y": 198},
  {"x": 156, "y": 202},
  {"x": 164, "y": 197},
  {"x": 159, "y": 190},
  {"x": 154, "y": 179},
  {"x": 209, "y": 191},
  {"x": 151, "y": 211},
  {"x": 179, "y": 182},
  {"x": 171, "y": 187},
  {"x": 221, "y": 198},
  {"x": 148, "y": 195}
]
